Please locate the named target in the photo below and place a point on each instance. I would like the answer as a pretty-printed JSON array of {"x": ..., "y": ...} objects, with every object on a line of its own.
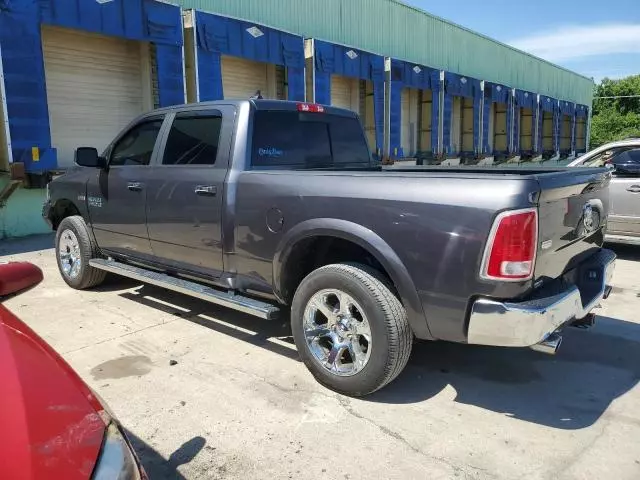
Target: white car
[{"x": 623, "y": 158}]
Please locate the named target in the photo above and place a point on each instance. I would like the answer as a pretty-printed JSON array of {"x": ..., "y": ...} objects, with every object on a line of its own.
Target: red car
[{"x": 53, "y": 426}]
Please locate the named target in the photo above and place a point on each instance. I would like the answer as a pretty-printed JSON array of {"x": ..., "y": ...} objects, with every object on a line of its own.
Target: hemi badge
[{"x": 546, "y": 245}]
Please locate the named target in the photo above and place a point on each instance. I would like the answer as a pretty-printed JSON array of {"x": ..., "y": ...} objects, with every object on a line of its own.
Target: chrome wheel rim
[
  {"x": 69, "y": 253},
  {"x": 337, "y": 332}
]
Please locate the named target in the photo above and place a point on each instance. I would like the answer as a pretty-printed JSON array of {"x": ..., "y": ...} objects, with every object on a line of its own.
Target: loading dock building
[{"x": 75, "y": 72}]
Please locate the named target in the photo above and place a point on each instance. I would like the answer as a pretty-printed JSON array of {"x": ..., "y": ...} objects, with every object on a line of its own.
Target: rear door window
[
  {"x": 193, "y": 141},
  {"x": 300, "y": 140}
]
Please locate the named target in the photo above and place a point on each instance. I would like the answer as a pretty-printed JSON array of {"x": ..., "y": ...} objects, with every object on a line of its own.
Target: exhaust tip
[{"x": 549, "y": 345}]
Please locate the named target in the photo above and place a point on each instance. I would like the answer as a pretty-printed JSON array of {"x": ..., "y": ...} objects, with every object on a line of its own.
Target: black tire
[
  {"x": 86, "y": 276},
  {"x": 391, "y": 334}
]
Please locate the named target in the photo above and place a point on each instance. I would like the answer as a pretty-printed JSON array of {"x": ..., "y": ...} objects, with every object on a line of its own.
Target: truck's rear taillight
[
  {"x": 510, "y": 254},
  {"x": 310, "y": 107}
]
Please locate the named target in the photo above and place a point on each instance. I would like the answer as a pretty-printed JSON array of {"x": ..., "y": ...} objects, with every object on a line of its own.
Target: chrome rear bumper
[{"x": 527, "y": 323}]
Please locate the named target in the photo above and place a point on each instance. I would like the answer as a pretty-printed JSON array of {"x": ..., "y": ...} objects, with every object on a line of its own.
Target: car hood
[{"x": 51, "y": 427}]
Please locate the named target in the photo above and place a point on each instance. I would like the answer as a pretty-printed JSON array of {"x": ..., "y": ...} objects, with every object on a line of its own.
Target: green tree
[{"x": 616, "y": 118}]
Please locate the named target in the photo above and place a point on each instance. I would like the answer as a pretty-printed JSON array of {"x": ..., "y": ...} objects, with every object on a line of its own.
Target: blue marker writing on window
[{"x": 270, "y": 152}]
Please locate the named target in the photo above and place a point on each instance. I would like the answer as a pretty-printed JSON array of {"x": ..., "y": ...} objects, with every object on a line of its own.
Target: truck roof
[{"x": 255, "y": 104}]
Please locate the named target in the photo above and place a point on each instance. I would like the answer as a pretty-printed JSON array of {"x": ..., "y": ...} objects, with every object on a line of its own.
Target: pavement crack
[
  {"x": 576, "y": 458},
  {"x": 346, "y": 405}
]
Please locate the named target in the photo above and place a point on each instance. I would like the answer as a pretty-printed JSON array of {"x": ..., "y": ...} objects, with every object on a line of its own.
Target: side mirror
[
  {"x": 17, "y": 277},
  {"x": 88, "y": 157}
]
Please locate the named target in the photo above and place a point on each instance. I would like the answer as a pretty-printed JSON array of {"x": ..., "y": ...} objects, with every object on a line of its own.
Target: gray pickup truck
[{"x": 266, "y": 206}]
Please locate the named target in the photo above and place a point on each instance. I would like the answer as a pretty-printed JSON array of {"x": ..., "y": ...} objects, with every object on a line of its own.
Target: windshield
[{"x": 305, "y": 141}]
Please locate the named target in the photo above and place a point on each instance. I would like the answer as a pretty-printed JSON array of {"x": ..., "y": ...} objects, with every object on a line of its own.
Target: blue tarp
[
  {"x": 332, "y": 59},
  {"x": 405, "y": 74},
  {"x": 460, "y": 86},
  {"x": 548, "y": 104},
  {"x": 567, "y": 108},
  {"x": 496, "y": 93},
  {"x": 526, "y": 99},
  {"x": 23, "y": 61},
  {"x": 217, "y": 36},
  {"x": 582, "y": 111}
]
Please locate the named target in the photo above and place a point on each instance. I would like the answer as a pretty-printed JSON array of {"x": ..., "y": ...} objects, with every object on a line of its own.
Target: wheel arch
[
  {"x": 369, "y": 241},
  {"x": 61, "y": 209}
]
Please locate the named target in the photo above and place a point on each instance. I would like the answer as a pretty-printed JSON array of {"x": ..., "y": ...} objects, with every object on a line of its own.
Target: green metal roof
[{"x": 394, "y": 29}]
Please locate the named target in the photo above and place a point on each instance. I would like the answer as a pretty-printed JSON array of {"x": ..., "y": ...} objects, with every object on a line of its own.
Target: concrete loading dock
[
  {"x": 236, "y": 59},
  {"x": 582, "y": 115},
  {"x": 76, "y": 70},
  {"x": 414, "y": 111},
  {"x": 80, "y": 69},
  {"x": 548, "y": 129},
  {"x": 462, "y": 114},
  {"x": 497, "y": 122},
  {"x": 567, "y": 124},
  {"x": 525, "y": 140}
]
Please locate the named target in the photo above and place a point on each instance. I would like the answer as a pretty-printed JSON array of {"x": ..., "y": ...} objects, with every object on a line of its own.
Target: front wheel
[
  {"x": 74, "y": 249},
  {"x": 350, "y": 329}
]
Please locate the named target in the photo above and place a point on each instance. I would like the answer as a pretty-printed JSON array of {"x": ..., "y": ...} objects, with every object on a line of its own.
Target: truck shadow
[
  {"x": 271, "y": 335},
  {"x": 625, "y": 252},
  {"x": 568, "y": 391}
]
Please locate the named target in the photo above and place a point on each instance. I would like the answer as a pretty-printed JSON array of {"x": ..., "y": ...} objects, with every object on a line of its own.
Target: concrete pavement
[{"x": 237, "y": 403}]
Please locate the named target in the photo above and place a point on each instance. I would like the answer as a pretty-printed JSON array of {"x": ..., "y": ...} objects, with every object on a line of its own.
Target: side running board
[{"x": 247, "y": 305}]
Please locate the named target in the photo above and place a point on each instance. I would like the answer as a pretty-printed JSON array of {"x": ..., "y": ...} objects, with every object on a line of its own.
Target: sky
[{"x": 593, "y": 37}]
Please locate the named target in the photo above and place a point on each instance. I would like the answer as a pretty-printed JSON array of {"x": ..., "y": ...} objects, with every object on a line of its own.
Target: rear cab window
[{"x": 294, "y": 140}]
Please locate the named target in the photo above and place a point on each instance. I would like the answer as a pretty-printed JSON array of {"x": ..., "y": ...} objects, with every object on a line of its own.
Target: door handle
[
  {"x": 634, "y": 189},
  {"x": 134, "y": 186},
  {"x": 206, "y": 190}
]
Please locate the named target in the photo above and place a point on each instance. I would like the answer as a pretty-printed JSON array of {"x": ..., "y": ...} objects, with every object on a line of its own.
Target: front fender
[{"x": 372, "y": 243}]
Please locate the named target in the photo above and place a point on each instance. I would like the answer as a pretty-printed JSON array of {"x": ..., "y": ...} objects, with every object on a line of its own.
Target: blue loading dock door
[
  {"x": 427, "y": 80},
  {"x": 582, "y": 115},
  {"x": 217, "y": 36},
  {"x": 548, "y": 127},
  {"x": 524, "y": 125},
  {"x": 331, "y": 59},
  {"x": 464, "y": 88},
  {"x": 567, "y": 122},
  {"x": 24, "y": 70},
  {"x": 497, "y": 119}
]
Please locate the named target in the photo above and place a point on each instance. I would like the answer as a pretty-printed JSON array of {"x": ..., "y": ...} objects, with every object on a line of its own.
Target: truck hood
[{"x": 50, "y": 428}]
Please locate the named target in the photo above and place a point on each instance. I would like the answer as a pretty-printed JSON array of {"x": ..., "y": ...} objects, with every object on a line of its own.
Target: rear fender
[{"x": 372, "y": 243}]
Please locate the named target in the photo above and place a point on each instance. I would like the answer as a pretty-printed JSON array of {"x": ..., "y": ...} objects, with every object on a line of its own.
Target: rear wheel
[
  {"x": 350, "y": 329},
  {"x": 74, "y": 249}
]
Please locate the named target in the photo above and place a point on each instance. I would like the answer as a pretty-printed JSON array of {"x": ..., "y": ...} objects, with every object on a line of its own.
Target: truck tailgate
[{"x": 573, "y": 208}]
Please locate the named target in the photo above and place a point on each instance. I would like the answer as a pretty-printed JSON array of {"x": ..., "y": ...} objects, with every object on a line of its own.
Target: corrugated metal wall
[{"x": 391, "y": 28}]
